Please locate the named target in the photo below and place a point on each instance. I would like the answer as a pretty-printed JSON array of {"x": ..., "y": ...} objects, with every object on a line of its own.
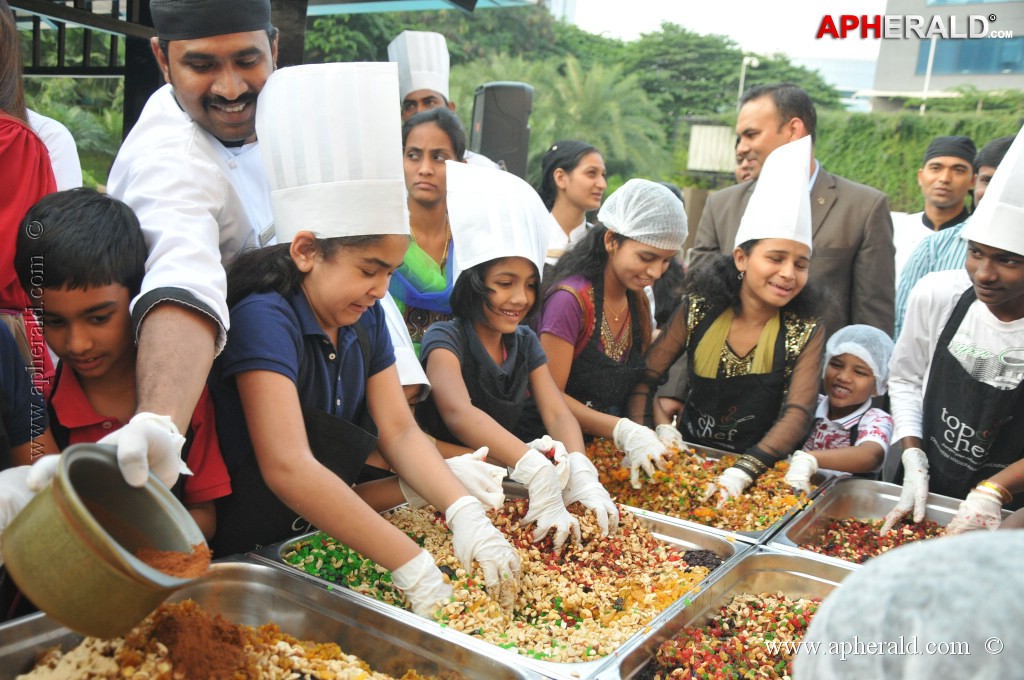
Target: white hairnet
[
  {"x": 647, "y": 212},
  {"x": 867, "y": 343},
  {"x": 954, "y": 590}
]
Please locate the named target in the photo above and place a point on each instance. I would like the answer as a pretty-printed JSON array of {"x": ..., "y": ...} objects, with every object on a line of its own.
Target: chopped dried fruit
[
  {"x": 857, "y": 540},
  {"x": 679, "y": 490},
  {"x": 572, "y": 607}
]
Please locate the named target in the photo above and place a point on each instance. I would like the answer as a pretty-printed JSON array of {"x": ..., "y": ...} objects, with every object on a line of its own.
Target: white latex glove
[
  {"x": 914, "y": 495},
  {"x": 982, "y": 509},
  {"x": 546, "y": 506},
  {"x": 642, "y": 447},
  {"x": 802, "y": 466},
  {"x": 558, "y": 453},
  {"x": 670, "y": 436},
  {"x": 730, "y": 484},
  {"x": 475, "y": 537},
  {"x": 42, "y": 471},
  {"x": 481, "y": 479},
  {"x": 14, "y": 495},
  {"x": 584, "y": 487},
  {"x": 423, "y": 585},
  {"x": 149, "y": 442}
]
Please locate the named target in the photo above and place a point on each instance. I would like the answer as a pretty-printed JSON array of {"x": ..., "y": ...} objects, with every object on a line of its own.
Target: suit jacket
[{"x": 853, "y": 257}]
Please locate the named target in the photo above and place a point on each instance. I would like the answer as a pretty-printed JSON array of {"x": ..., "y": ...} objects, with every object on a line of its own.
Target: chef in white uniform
[
  {"x": 423, "y": 68},
  {"x": 191, "y": 171}
]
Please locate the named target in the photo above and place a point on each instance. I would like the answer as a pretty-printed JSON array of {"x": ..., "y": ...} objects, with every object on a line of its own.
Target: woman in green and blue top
[{"x": 422, "y": 286}]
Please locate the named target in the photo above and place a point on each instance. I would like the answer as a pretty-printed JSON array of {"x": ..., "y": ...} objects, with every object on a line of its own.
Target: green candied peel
[{"x": 323, "y": 557}]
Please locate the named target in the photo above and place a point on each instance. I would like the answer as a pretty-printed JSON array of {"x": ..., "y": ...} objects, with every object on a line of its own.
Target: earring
[{"x": 740, "y": 276}]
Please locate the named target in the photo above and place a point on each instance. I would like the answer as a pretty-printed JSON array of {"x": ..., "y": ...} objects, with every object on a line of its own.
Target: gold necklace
[
  {"x": 447, "y": 243},
  {"x": 614, "y": 349},
  {"x": 616, "y": 315}
]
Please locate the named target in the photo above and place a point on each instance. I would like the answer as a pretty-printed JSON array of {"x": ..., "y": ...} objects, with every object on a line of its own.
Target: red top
[
  {"x": 202, "y": 453},
  {"x": 25, "y": 176}
]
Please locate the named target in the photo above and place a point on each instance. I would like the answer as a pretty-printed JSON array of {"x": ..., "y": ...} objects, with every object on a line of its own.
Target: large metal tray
[
  {"x": 821, "y": 481},
  {"x": 687, "y": 538},
  {"x": 763, "y": 569},
  {"x": 250, "y": 593},
  {"x": 854, "y": 497}
]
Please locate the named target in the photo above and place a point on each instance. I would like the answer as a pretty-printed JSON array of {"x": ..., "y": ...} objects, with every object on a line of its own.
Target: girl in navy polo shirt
[{"x": 307, "y": 384}]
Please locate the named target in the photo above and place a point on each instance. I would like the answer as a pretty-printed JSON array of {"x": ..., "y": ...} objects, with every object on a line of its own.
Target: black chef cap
[
  {"x": 958, "y": 147},
  {"x": 192, "y": 19}
]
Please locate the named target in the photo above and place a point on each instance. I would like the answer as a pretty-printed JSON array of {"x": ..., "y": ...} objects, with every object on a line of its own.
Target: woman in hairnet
[
  {"x": 750, "y": 329},
  {"x": 596, "y": 321},
  {"x": 946, "y": 608},
  {"x": 848, "y": 435}
]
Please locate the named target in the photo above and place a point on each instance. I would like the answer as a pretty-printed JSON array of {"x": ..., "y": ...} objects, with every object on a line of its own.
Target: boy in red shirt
[{"x": 81, "y": 257}]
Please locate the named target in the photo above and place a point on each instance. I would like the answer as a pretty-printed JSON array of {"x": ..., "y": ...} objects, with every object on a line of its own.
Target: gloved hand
[
  {"x": 149, "y": 442},
  {"x": 14, "y": 494},
  {"x": 802, "y": 466},
  {"x": 423, "y": 585},
  {"x": 915, "y": 489},
  {"x": 982, "y": 509},
  {"x": 730, "y": 484},
  {"x": 41, "y": 472},
  {"x": 642, "y": 447},
  {"x": 584, "y": 487},
  {"x": 670, "y": 436},
  {"x": 556, "y": 451},
  {"x": 474, "y": 537},
  {"x": 481, "y": 479},
  {"x": 546, "y": 506}
]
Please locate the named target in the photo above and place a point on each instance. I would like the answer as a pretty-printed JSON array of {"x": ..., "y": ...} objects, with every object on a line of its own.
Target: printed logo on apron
[{"x": 723, "y": 431}]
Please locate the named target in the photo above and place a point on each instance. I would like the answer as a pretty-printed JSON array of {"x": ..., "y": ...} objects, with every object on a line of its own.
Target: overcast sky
[{"x": 765, "y": 26}]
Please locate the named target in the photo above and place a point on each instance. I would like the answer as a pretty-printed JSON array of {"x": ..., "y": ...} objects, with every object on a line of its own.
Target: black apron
[
  {"x": 733, "y": 413},
  {"x": 500, "y": 396},
  {"x": 252, "y": 516},
  {"x": 595, "y": 380},
  {"x": 968, "y": 433}
]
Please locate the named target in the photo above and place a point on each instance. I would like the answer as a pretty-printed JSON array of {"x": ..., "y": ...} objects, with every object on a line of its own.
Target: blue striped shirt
[{"x": 936, "y": 252}]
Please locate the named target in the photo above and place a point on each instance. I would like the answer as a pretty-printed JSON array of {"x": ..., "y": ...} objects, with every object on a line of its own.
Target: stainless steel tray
[
  {"x": 854, "y": 497},
  {"x": 250, "y": 593},
  {"x": 763, "y": 569},
  {"x": 820, "y": 480},
  {"x": 687, "y": 538}
]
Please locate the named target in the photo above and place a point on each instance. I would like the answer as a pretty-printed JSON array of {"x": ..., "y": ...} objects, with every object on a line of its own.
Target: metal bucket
[{"x": 72, "y": 549}]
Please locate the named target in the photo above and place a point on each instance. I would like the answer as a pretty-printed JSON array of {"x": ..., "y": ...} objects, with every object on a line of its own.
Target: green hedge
[{"x": 882, "y": 150}]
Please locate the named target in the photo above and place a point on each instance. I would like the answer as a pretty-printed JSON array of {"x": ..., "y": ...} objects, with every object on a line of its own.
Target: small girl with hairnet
[{"x": 848, "y": 435}]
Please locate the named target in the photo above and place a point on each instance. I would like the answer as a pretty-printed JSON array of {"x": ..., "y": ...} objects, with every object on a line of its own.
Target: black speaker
[{"x": 501, "y": 124}]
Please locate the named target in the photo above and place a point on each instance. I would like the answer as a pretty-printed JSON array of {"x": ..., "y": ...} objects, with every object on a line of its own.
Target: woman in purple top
[{"x": 596, "y": 320}]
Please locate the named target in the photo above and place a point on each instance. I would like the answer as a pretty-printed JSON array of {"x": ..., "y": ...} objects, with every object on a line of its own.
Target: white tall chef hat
[
  {"x": 331, "y": 140},
  {"x": 647, "y": 212},
  {"x": 998, "y": 221},
  {"x": 423, "y": 63},
  {"x": 780, "y": 206},
  {"x": 495, "y": 214}
]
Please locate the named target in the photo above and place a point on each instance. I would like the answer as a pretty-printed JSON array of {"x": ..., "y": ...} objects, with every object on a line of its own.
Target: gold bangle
[{"x": 1004, "y": 493}]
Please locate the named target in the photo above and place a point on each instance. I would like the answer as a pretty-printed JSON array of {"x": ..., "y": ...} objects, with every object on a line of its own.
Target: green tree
[{"x": 602, "y": 105}]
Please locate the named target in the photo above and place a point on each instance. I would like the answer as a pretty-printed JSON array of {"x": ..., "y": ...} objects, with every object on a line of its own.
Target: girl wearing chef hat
[
  {"x": 749, "y": 328},
  {"x": 482, "y": 362},
  {"x": 596, "y": 322},
  {"x": 306, "y": 385}
]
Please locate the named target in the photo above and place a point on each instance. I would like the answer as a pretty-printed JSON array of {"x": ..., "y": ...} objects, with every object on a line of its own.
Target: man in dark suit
[{"x": 853, "y": 256}]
